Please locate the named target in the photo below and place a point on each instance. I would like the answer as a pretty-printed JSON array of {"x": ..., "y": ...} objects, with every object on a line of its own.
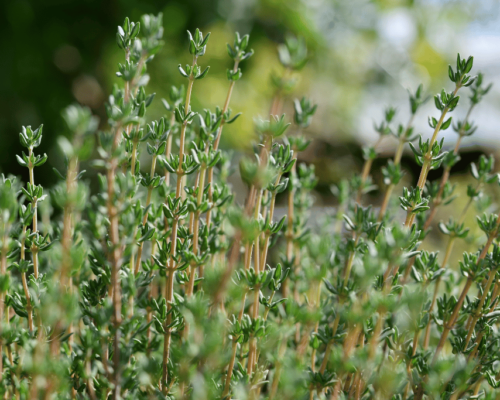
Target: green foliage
[{"x": 158, "y": 284}]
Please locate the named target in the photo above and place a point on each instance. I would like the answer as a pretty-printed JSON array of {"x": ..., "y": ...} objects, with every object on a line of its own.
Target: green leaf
[
  {"x": 21, "y": 161},
  {"x": 183, "y": 73},
  {"x": 230, "y": 121},
  {"x": 468, "y": 65},
  {"x": 451, "y": 74},
  {"x": 446, "y": 124},
  {"x": 203, "y": 74},
  {"x": 135, "y": 30}
]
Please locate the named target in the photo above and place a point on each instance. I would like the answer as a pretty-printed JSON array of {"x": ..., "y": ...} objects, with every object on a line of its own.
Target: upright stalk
[
  {"x": 67, "y": 240},
  {"x": 350, "y": 259},
  {"x": 34, "y": 249},
  {"x": 479, "y": 308},
  {"x": 145, "y": 218},
  {"x": 3, "y": 273},
  {"x": 255, "y": 308},
  {"x": 410, "y": 218},
  {"x": 279, "y": 366},
  {"x": 217, "y": 141},
  {"x": 479, "y": 337},
  {"x": 289, "y": 235},
  {"x": 196, "y": 223},
  {"x": 169, "y": 290},
  {"x": 115, "y": 263},
  {"x": 426, "y": 166},
  {"x": 446, "y": 173},
  {"x": 447, "y": 254},
  {"x": 217, "y": 297},
  {"x": 267, "y": 234},
  {"x": 29, "y": 307},
  {"x": 365, "y": 172},
  {"x": 397, "y": 161},
  {"x": 168, "y": 149},
  {"x": 67, "y": 236},
  {"x": 329, "y": 346},
  {"x": 447, "y": 327}
]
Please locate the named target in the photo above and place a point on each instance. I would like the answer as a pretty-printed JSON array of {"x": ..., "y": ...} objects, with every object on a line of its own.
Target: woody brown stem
[
  {"x": 169, "y": 290},
  {"x": 217, "y": 141},
  {"x": 397, "y": 160},
  {"x": 427, "y": 157},
  {"x": 145, "y": 217}
]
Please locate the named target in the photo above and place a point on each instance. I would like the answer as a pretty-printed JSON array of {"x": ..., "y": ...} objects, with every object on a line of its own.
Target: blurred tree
[{"x": 55, "y": 52}]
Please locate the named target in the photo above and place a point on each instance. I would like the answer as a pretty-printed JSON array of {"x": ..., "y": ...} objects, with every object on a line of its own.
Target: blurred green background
[{"x": 364, "y": 55}]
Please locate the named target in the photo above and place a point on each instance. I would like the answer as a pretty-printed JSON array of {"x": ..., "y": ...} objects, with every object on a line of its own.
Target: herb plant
[{"x": 160, "y": 285}]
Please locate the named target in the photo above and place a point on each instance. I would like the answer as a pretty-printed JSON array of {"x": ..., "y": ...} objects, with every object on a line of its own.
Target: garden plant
[{"x": 158, "y": 283}]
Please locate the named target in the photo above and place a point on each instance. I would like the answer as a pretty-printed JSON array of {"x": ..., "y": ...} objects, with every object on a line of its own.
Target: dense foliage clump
[{"x": 159, "y": 285}]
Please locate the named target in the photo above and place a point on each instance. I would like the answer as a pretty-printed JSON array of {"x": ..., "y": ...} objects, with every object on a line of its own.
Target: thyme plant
[{"x": 163, "y": 284}]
